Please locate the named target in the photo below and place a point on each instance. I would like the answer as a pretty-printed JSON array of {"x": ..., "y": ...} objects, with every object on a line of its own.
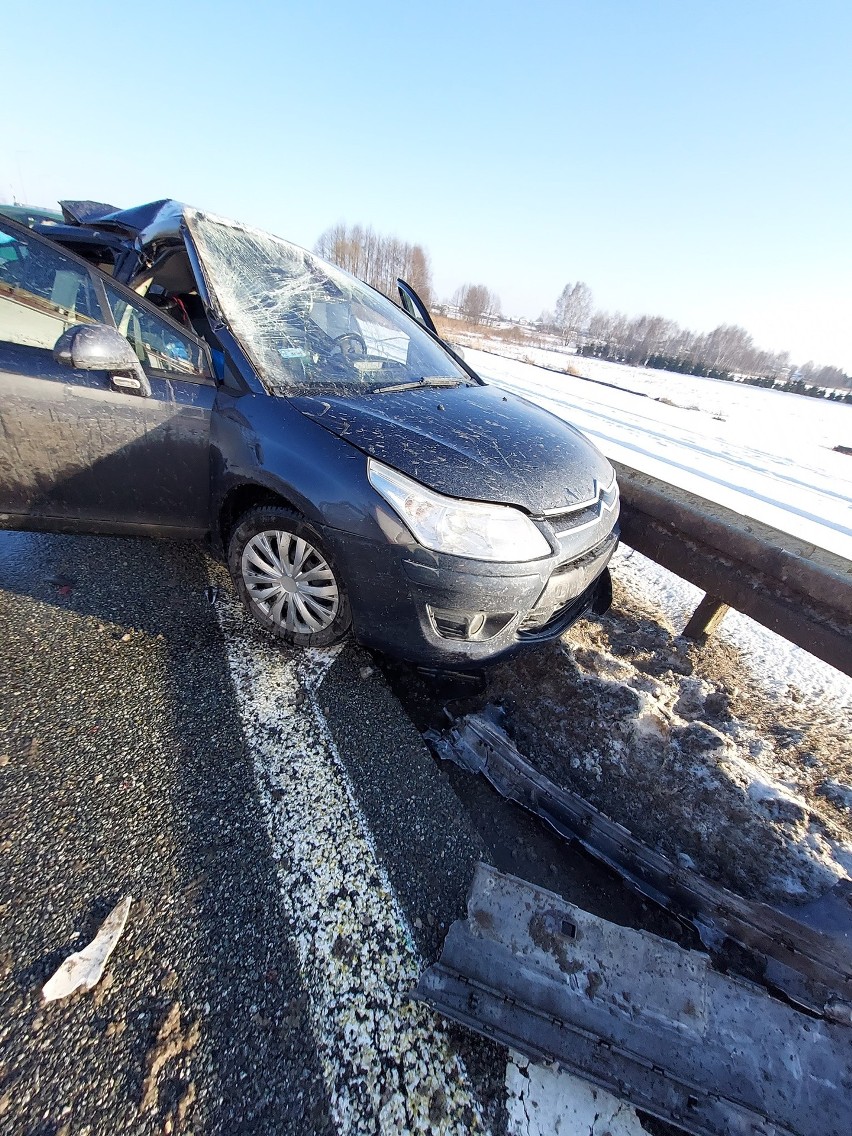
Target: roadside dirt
[{"x": 680, "y": 744}]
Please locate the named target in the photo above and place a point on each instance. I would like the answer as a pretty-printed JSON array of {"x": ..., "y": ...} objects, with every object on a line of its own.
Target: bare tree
[
  {"x": 377, "y": 259},
  {"x": 476, "y": 303},
  {"x": 729, "y": 348},
  {"x": 573, "y": 309},
  {"x": 419, "y": 274}
]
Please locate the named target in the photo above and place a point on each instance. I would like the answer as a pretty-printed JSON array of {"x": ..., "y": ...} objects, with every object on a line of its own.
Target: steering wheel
[{"x": 352, "y": 345}]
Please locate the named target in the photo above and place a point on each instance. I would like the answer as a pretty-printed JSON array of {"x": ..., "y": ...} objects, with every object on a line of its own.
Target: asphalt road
[
  {"x": 294, "y": 854},
  {"x": 129, "y": 763},
  {"x": 124, "y": 772}
]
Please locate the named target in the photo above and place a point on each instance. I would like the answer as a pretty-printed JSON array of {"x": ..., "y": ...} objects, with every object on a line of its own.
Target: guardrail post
[
  {"x": 792, "y": 587},
  {"x": 706, "y": 618}
]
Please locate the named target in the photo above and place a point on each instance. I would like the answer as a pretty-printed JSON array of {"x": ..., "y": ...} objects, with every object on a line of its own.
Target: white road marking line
[
  {"x": 387, "y": 1062},
  {"x": 543, "y": 1100}
]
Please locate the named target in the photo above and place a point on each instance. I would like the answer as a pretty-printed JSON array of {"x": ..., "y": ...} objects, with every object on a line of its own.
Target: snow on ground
[
  {"x": 765, "y": 454},
  {"x": 781, "y": 668},
  {"x": 544, "y": 1100}
]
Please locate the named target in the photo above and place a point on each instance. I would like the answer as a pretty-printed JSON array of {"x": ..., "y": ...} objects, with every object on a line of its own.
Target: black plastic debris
[
  {"x": 63, "y": 584},
  {"x": 810, "y": 968}
]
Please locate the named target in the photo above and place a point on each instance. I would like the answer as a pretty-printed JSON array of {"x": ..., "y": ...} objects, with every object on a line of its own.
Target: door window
[
  {"x": 159, "y": 346},
  {"x": 42, "y": 292}
]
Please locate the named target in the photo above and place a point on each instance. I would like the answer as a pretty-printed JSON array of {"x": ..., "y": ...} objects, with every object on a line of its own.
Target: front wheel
[{"x": 287, "y": 580}]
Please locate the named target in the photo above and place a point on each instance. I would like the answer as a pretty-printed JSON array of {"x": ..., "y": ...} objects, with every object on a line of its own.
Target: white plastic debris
[{"x": 83, "y": 969}]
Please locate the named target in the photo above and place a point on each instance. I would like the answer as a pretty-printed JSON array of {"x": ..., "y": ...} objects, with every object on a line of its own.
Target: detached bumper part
[
  {"x": 638, "y": 1015},
  {"x": 810, "y": 968}
]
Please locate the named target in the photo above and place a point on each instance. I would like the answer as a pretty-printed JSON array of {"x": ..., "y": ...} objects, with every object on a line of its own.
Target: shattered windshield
[{"x": 307, "y": 325}]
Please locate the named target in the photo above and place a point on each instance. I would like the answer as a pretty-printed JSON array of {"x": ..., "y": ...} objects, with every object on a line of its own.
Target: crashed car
[{"x": 167, "y": 372}]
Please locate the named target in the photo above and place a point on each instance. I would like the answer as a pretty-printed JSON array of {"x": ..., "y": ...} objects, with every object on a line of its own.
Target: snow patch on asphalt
[
  {"x": 544, "y": 1100},
  {"x": 387, "y": 1061}
]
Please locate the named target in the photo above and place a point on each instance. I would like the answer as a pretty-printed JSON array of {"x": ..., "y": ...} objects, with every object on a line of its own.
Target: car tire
[{"x": 287, "y": 580}]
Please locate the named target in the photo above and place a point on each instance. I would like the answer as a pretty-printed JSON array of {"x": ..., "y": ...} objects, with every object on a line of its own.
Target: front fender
[{"x": 258, "y": 440}]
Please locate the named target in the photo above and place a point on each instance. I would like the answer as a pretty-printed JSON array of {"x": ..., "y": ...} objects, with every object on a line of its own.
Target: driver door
[{"x": 415, "y": 307}]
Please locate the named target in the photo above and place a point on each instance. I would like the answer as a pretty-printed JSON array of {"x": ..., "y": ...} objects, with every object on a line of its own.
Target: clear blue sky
[{"x": 684, "y": 158}]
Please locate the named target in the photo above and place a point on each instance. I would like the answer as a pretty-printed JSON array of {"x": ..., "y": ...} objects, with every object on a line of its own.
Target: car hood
[{"x": 475, "y": 442}]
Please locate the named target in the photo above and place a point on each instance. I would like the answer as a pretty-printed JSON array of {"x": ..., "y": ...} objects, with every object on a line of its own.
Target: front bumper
[{"x": 445, "y": 611}]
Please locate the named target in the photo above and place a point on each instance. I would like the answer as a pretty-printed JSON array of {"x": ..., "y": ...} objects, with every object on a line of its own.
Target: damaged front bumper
[{"x": 446, "y": 611}]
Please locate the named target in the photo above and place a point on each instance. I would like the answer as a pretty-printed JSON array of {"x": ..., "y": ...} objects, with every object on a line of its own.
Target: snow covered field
[{"x": 765, "y": 454}]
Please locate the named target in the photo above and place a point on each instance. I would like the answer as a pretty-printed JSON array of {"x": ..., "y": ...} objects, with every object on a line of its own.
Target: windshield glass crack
[{"x": 308, "y": 326}]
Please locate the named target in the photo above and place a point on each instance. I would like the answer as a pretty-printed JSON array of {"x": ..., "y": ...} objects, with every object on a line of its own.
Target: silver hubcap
[{"x": 290, "y": 582}]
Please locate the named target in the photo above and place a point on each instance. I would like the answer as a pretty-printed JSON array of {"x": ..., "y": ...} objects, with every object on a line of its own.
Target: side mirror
[
  {"x": 454, "y": 347},
  {"x": 96, "y": 347}
]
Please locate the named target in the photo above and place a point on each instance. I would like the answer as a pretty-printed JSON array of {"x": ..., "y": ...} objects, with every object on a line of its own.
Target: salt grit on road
[{"x": 388, "y": 1063}]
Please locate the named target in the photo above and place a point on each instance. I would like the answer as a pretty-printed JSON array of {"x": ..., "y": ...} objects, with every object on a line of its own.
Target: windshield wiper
[{"x": 427, "y": 381}]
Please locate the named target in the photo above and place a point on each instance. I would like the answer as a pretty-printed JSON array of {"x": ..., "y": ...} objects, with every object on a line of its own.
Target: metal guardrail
[{"x": 802, "y": 592}]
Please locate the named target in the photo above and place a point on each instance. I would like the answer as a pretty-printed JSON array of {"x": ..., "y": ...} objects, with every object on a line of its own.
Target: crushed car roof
[{"x": 156, "y": 221}]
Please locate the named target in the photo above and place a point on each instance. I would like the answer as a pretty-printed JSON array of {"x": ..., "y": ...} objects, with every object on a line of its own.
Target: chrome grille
[{"x": 584, "y": 525}]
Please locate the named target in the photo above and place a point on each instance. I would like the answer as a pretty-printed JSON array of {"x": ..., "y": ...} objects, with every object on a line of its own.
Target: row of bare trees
[
  {"x": 377, "y": 259},
  {"x": 650, "y": 341},
  {"x": 381, "y": 260},
  {"x": 653, "y": 341}
]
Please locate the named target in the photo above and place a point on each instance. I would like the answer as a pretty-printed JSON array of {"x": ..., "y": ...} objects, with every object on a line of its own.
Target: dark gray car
[{"x": 211, "y": 380}]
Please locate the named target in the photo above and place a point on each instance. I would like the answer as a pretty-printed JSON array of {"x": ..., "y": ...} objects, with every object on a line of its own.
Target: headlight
[{"x": 461, "y": 528}]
